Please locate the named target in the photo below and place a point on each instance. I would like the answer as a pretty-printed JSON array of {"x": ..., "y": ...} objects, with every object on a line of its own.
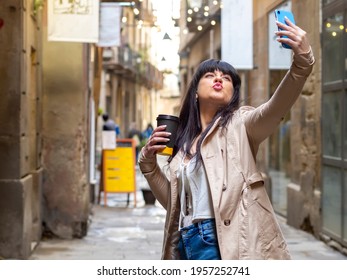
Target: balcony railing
[{"x": 124, "y": 61}]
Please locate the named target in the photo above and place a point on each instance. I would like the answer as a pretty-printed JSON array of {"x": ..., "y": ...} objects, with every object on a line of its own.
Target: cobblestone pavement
[{"x": 124, "y": 232}]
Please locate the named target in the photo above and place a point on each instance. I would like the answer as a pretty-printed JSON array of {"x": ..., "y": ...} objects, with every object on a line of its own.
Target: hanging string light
[{"x": 201, "y": 13}]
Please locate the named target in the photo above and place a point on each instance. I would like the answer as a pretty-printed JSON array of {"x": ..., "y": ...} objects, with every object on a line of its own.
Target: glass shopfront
[
  {"x": 279, "y": 142},
  {"x": 334, "y": 120},
  {"x": 279, "y": 155}
]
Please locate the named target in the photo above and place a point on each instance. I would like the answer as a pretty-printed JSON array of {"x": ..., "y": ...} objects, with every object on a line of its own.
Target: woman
[{"x": 216, "y": 202}]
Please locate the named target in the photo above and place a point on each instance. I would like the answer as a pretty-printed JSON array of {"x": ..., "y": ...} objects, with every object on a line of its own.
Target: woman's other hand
[
  {"x": 297, "y": 38},
  {"x": 155, "y": 142}
]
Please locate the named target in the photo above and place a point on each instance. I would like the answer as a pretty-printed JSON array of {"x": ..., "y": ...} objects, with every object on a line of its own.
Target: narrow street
[{"x": 118, "y": 232}]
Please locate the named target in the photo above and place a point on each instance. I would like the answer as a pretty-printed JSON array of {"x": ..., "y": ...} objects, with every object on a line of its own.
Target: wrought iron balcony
[{"x": 126, "y": 62}]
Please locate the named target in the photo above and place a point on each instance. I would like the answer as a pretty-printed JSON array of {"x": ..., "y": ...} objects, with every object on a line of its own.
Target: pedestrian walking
[
  {"x": 217, "y": 206},
  {"x": 110, "y": 125}
]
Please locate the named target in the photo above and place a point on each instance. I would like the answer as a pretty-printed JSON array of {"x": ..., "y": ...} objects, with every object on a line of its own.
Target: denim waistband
[{"x": 207, "y": 223}]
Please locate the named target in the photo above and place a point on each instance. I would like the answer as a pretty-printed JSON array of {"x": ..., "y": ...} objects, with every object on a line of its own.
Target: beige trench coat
[{"x": 245, "y": 221}]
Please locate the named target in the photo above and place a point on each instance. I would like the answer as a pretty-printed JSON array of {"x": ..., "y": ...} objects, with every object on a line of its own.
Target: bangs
[{"x": 212, "y": 65}]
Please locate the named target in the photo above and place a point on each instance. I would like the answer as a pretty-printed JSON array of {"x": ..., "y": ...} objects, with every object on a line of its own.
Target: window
[
  {"x": 326, "y": 2},
  {"x": 334, "y": 120},
  {"x": 333, "y": 32},
  {"x": 332, "y": 200},
  {"x": 331, "y": 123}
]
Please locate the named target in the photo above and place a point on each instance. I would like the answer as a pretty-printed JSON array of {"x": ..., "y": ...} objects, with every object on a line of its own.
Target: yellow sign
[{"x": 119, "y": 168}]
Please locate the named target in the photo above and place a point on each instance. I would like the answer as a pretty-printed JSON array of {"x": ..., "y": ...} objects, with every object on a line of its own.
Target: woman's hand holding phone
[{"x": 293, "y": 36}]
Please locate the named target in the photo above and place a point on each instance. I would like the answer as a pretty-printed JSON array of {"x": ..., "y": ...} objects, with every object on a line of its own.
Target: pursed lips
[{"x": 217, "y": 86}]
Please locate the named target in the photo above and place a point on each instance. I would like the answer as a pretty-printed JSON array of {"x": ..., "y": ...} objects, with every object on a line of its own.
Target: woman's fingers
[
  {"x": 296, "y": 38},
  {"x": 289, "y": 22},
  {"x": 156, "y": 141}
]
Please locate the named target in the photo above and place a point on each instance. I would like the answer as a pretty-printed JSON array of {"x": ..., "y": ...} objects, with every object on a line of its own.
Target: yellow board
[{"x": 119, "y": 168}]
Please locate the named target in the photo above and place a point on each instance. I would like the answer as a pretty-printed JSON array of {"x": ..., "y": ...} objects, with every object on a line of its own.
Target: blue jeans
[{"x": 199, "y": 241}]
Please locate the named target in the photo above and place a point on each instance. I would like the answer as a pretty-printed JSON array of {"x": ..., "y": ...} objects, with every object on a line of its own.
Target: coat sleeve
[
  {"x": 156, "y": 179},
  {"x": 262, "y": 121}
]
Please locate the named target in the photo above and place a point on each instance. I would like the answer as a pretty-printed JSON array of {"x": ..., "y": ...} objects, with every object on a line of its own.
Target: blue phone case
[{"x": 280, "y": 14}]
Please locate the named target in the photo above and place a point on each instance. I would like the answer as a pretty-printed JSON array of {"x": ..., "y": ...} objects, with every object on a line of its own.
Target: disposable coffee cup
[{"x": 171, "y": 123}]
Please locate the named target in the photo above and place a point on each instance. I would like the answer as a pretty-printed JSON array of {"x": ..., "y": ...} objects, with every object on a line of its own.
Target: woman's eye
[
  {"x": 209, "y": 75},
  {"x": 228, "y": 78}
]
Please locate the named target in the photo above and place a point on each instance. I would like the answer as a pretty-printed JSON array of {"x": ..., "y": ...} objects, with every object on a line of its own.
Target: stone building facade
[
  {"x": 21, "y": 175},
  {"x": 44, "y": 132}
]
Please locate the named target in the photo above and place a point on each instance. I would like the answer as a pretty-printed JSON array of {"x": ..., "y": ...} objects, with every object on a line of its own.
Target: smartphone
[{"x": 280, "y": 14}]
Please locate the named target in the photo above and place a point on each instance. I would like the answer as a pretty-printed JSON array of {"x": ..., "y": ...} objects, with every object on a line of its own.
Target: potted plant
[{"x": 148, "y": 196}]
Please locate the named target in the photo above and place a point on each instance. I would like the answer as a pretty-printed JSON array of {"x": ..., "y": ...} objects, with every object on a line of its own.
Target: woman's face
[{"x": 214, "y": 89}]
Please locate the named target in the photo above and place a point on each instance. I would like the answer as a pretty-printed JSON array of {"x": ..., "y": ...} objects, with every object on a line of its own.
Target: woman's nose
[{"x": 218, "y": 78}]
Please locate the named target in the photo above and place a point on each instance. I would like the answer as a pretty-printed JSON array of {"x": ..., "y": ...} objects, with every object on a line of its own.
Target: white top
[{"x": 195, "y": 196}]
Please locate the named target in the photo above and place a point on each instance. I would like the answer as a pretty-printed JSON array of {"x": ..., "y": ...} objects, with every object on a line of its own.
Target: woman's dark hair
[{"x": 190, "y": 126}]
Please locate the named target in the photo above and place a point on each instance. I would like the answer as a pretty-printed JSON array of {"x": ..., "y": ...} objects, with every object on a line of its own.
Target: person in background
[
  {"x": 110, "y": 125},
  {"x": 136, "y": 135},
  {"x": 148, "y": 131},
  {"x": 216, "y": 202}
]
